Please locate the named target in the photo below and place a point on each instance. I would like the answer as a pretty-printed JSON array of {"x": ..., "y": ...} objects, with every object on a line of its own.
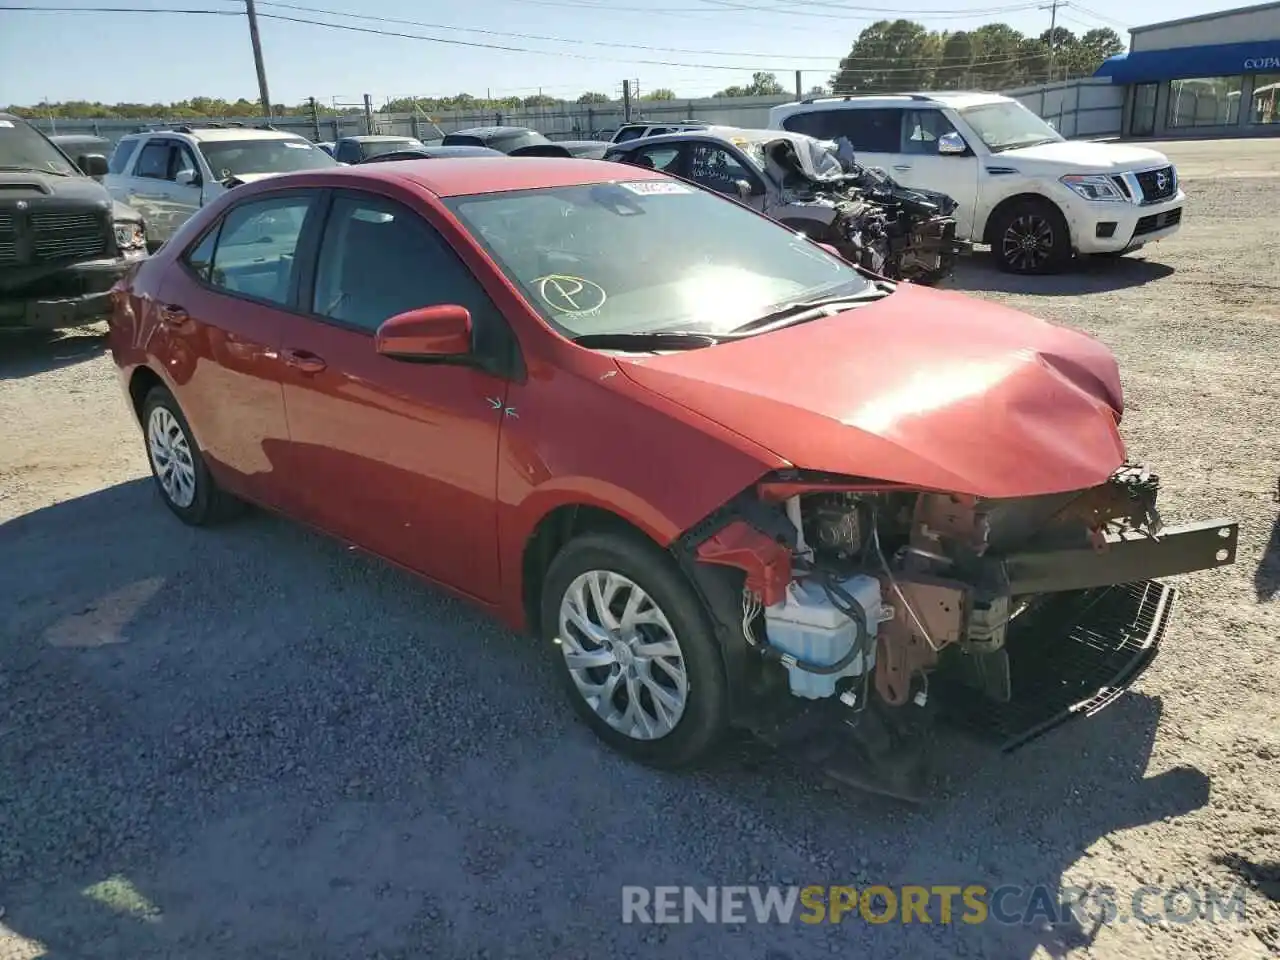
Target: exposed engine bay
[
  {"x": 855, "y": 595},
  {"x": 899, "y": 233}
]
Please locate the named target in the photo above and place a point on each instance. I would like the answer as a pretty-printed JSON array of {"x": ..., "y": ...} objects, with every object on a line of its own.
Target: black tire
[
  {"x": 1023, "y": 224},
  {"x": 208, "y": 503},
  {"x": 704, "y": 720}
]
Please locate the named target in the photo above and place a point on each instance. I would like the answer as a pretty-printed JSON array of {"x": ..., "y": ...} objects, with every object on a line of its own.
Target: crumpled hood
[{"x": 924, "y": 387}]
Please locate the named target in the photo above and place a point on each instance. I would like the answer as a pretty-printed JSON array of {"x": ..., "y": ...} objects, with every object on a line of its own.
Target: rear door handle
[
  {"x": 303, "y": 360},
  {"x": 172, "y": 315}
]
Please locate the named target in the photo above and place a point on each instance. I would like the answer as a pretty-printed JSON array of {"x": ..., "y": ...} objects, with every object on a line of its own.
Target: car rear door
[
  {"x": 399, "y": 457},
  {"x": 875, "y": 133},
  {"x": 221, "y": 312}
]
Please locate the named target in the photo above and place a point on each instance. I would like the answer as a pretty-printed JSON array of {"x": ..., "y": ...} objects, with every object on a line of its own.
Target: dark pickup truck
[{"x": 63, "y": 241}]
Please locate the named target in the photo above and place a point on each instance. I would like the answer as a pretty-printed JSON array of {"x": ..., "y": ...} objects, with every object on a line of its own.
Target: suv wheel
[
  {"x": 637, "y": 656},
  {"x": 1031, "y": 237}
]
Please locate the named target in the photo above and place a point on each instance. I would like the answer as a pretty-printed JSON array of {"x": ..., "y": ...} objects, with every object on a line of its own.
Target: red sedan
[{"x": 729, "y": 478}]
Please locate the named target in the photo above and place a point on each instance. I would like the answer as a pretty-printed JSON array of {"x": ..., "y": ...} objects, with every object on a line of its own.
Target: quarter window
[
  {"x": 256, "y": 248},
  {"x": 656, "y": 158},
  {"x": 199, "y": 259},
  {"x": 379, "y": 259}
]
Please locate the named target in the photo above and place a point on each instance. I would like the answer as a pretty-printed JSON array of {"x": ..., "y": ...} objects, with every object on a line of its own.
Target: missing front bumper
[{"x": 1070, "y": 657}]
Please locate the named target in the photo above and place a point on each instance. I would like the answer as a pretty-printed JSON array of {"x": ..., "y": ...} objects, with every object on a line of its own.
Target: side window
[
  {"x": 121, "y": 156},
  {"x": 378, "y": 259},
  {"x": 153, "y": 162},
  {"x": 347, "y": 152},
  {"x": 180, "y": 159},
  {"x": 628, "y": 133},
  {"x": 717, "y": 169},
  {"x": 921, "y": 130},
  {"x": 867, "y": 130},
  {"x": 199, "y": 258},
  {"x": 256, "y": 246},
  {"x": 656, "y": 158}
]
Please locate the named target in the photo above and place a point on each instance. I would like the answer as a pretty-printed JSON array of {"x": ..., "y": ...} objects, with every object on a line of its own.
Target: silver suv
[{"x": 167, "y": 175}]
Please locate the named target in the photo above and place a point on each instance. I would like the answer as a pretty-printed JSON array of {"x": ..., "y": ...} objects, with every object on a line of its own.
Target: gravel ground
[{"x": 250, "y": 742}]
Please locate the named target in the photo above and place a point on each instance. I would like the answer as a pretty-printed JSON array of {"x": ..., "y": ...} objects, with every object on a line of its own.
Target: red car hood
[{"x": 927, "y": 388}]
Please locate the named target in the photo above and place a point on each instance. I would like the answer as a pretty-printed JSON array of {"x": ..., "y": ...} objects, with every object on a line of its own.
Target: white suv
[
  {"x": 167, "y": 175},
  {"x": 1021, "y": 187}
]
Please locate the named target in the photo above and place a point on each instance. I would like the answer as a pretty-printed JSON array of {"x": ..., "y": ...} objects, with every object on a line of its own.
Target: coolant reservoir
[{"x": 810, "y": 627}]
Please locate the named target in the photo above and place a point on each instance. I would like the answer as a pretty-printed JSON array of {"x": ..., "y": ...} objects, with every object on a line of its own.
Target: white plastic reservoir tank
[{"x": 810, "y": 627}]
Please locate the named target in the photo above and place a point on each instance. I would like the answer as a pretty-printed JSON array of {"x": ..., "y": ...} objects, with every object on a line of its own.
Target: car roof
[
  {"x": 957, "y": 99},
  {"x": 717, "y": 132},
  {"x": 381, "y": 138},
  {"x": 490, "y": 132},
  {"x": 464, "y": 176}
]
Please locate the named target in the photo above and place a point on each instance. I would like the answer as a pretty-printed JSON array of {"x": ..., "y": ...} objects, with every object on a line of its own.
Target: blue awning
[{"x": 1220, "y": 60}]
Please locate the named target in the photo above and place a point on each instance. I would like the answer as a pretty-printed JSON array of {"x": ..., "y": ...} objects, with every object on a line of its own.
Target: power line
[
  {"x": 935, "y": 13},
  {"x": 537, "y": 36},
  {"x": 476, "y": 44}
]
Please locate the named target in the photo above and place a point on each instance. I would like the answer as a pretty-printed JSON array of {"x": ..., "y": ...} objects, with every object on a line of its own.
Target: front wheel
[
  {"x": 637, "y": 655},
  {"x": 1031, "y": 237}
]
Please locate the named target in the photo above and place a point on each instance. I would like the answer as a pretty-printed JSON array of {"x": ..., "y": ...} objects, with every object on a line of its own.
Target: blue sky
[{"x": 165, "y": 57}]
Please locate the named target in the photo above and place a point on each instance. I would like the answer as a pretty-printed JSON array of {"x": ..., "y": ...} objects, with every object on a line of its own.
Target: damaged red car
[{"x": 727, "y": 478}]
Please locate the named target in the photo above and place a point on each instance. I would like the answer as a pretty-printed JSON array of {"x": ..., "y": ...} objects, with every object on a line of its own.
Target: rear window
[
  {"x": 121, "y": 156},
  {"x": 871, "y": 131}
]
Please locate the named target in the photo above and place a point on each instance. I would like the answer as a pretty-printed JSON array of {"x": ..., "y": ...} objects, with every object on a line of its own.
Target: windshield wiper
[
  {"x": 803, "y": 311},
  {"x": 649, "y": 340},
  {"x": 24, "y": 168}
]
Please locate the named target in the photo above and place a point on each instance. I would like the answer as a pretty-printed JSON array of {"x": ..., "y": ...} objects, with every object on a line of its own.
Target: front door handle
[
  {"x": 303, "y": 360},
  {"x": 902, "y": 166}
]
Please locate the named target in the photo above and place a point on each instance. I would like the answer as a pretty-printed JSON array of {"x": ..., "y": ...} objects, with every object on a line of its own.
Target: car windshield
[
  {"x": 234, "y": 158},
  {"x": 23, "y": 148},
  {"x": 376, "y": 148},
  {"x": 648, "y": 255},
  {"x": 1008, "y": 126}
]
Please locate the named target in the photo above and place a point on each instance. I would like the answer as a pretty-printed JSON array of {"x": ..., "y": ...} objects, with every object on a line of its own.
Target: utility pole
[
  {"x": 314, "y": 110},
  {"x": 626, "y": 101},
  {"x": 1053, "y": 36},
  {"x": 799, "y": 88},
  {"x": 368, "y": 114},
  {"x": 263, "y": 93}
]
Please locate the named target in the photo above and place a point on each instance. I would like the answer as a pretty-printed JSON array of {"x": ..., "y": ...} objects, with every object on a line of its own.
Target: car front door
[
  {"x": 397, "y": 457},
  {"x": 921, "y": 167},
  {"x": 154, "y": 191},
  {"x": 221, "y": 315},
  {"x": 718, "y": 168}
]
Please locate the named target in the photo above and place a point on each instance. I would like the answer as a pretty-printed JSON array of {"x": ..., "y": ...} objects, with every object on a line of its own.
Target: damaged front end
[
  {"x": 853, "y": 612},
  {"x": 875, "y": 222}
]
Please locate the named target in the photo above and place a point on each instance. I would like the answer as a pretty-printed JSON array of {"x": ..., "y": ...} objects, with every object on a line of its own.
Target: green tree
[
  {"x": 591, "y": 97},
  {"x": 662, "y": 93},
  {"x": 762, "y": 85}
]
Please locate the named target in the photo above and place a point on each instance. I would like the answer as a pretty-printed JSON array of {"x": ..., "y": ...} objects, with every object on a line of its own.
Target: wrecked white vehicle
[{"x": 817, "y": 188}]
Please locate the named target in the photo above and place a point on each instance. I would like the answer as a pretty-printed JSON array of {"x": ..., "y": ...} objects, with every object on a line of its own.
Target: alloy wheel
[
  {"x": 171, "y": 457},
  {"x": 1028, "y": 242},
  {"x": 623, "y": 655}
]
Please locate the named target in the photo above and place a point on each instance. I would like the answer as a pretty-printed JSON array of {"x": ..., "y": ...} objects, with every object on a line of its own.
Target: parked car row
[{"x": 725, "y": 477}]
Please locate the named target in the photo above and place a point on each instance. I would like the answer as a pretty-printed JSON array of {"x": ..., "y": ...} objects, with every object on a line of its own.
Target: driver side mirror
[
  {"x": 187, "y": 178},
  {"x": 438, "y": 333},
  {"x": 92, "y": 164},
  {"x": 952, "y": 144}
]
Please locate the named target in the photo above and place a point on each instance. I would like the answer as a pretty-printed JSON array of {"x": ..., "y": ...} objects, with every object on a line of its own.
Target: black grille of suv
[
  {"x": 61, "y": 236},
  {"x": 8, "y": 239},
  {"x": 1157, "y": 185},
  {"x": 1158, "y": 221}
]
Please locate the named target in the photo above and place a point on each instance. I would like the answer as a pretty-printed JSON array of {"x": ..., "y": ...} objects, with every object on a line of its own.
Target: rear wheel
[
  {"x": 1031, "y": 237},
  {"x": 178, "y": 466},
  {"x": 638, "y": 657}
]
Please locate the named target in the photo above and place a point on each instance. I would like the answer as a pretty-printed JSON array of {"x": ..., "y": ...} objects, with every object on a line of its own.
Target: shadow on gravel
[
  {"x": 250, "y": 741},
  {"x": 29, "y": 352},
  {"x": 1266, "y": 580},
  {"x": 1263, "y": 877},
  {"x": 979, "y": 274}
]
